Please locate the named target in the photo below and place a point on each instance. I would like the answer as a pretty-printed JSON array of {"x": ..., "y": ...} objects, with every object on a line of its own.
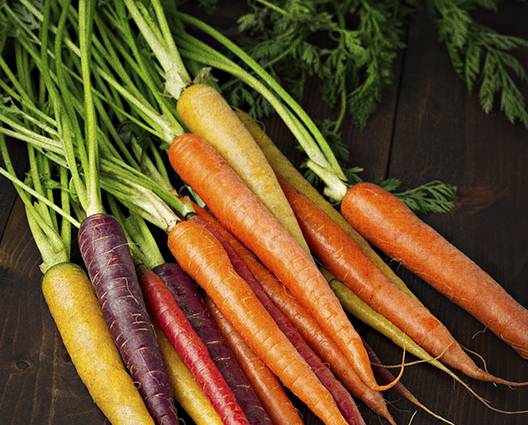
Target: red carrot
[
  {"x": 310, "y": 330},
  {"x": 190, "y": 301},
  {"x": 237, "y": 208},
  {"x": 268, "y": 387},
  {"x": 105, "y": 251},
  {"x": 345, "y": 260},
  {"x": 388, "y": 224},
  {"x": 190, "y": 347},
  {"x": 203, "y": 258},
  {"x": 342, "y": 397}
]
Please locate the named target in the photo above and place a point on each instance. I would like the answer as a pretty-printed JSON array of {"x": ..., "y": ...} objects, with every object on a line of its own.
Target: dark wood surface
[{"x": 428, "y": 129}]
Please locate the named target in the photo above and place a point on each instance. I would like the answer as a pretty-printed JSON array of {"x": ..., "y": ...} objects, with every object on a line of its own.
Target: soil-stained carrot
[
  {"x": 287, "y": 171},
  {"x": 202, "y": 257},
  {"x": 104, "y": 248},
  {"x": 71, "y": 300},
  {"x": 324, "y": 347},
  {"x": 343, "y": 258},
  {"x": 342, "y": 397},
  {"x": 190, "y": 300},
  {"x": 190, "y": 348},
  {"x": 240, "y": 211},
  {"x": 205, "y": 113},
  {"x": 268, "y": 387},
  {"x": 186, "y": 390},
  {"x": 391, "y": 226}
]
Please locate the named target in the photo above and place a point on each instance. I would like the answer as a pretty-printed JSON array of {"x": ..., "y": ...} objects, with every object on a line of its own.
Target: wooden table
[{"x": 428, "y": 129}]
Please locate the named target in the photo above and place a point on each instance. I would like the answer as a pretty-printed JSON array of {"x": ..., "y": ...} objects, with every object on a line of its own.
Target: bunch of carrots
[{"x": 254, "y": 303}]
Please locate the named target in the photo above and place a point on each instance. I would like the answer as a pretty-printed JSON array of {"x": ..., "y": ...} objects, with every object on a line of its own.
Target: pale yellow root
[
  {"x": 206, "y": 114},
  {"x": 74, "y": 307},
  {"x": 185, "y": 389}
]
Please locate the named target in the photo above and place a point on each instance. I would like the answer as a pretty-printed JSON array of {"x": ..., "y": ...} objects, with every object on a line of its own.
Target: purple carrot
[
  {"x": 187, "y": 294},
  {"x": 342, "y": 397},
  {"x": 106, "y": 253}
]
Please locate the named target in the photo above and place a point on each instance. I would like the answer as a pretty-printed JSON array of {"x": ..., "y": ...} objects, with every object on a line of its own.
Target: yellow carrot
[
  {"x": 185, "y": 389},
  {"x": 79, "y": 319},
  {"x": 205, "y": 113}
]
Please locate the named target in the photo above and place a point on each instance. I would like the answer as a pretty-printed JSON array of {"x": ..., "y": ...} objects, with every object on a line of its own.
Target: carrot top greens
[
  {"x": 127, "y": 86},
  {"x": 363, "y": 38}
]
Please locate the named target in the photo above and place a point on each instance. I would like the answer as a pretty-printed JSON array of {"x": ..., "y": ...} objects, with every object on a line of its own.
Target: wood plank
[{"x": 441, "y": 133}]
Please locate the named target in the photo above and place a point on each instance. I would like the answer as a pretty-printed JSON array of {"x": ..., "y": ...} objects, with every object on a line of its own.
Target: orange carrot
[
  {"x": 387, "y": 223},
  {"x": 342, "y": 397},
  {"x": 285, "y": 169},
  {"x": 268, "y": 388},
  {"x": 310, "y": 330},
  {"x": 238, "y": 209},
  {"x": 343, "y": 258},
  {"x": 202, "y": 257},
  {"x": 205, "y": 113}
]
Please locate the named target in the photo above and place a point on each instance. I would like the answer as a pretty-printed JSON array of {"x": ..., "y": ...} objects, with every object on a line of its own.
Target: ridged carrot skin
[
  {"x": 205, "y": 113},
  {"x": 190, "y": 347},
  {"x": 268, "y": 387},
  {"x": 186, "y": 390},
  {"x": 105, "y": 251},
  {"x": 343, "y": 258},
  {"x": 342, "y": 397},
  {"x": 286, "y": 170},
  {"x": 190, "y": 300},
  {"x": 310, "y": 330},
  {"x": 283, "y": 168},
  {"x": 388, "y": 224},
  {"x": 75, "y": 309},
  {"x": 238, "y": 209},
  {"x": 203, "y": 258}
]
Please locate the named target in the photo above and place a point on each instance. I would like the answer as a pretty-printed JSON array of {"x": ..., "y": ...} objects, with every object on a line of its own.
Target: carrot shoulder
[
  {"x": 388, "y": 224},
  {"x": 237, "y": 208},
  {"x": 203, "y": 259},
  {"x": 205, "y": 113},
  {"x": 343, "y": 258}
]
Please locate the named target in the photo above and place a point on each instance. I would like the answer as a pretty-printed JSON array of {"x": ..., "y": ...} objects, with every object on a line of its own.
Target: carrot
[
  {"x": 268, "y": 387},
  {"x": 190, "y": 347},
  {"x": 79, "y": 319},
  {"x": 343, "y": 258},
  {"x": 342, "y": 397},
  {"x": 287, "y": 171},
  {"x": 190, "y": 300},
  {"x": 205, "y": 113},
  {"x": 186, "y": 390},
  {"x": 324, "y": 347},
  {"x": 203, "y": 258},
  {"x": 387, "y": 223},
  {"x": 105, "y": 251},
  {"x": 238, "y": 209}
]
